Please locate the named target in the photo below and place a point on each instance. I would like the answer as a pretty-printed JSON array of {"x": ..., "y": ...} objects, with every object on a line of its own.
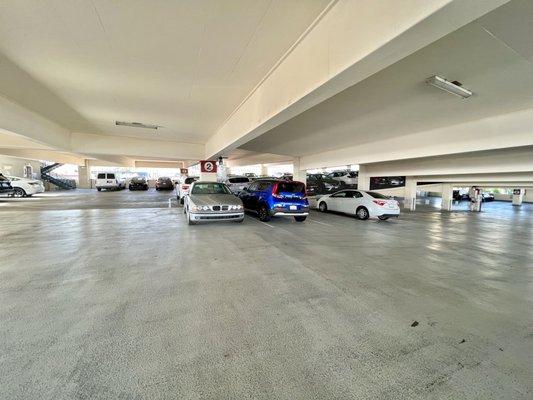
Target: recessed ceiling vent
[
  {"x": 136, "y": 125},
  {"x": 454, "y": 87}
]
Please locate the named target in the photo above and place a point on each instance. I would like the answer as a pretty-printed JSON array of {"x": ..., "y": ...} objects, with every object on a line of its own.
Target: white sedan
[
  {"x": 360, "y": 203},
  {"x": 23, "y": 187}
]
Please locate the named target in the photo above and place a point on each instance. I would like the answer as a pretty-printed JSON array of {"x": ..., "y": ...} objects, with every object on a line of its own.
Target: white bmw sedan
[{"x": 360, "y": 203}]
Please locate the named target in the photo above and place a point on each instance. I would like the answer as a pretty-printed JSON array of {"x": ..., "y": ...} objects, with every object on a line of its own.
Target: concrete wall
[{"x": 15, "y": 166}]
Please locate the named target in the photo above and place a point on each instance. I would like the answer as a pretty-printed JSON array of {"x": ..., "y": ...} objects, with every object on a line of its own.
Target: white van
[{"x": 109, "y": 181}]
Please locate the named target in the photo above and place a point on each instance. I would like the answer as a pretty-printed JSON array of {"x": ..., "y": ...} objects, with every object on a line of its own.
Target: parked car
[
  {"x": 212, "y": 201},
  {"x": 487, "y": 196},
  {"x": 183, "y": 188},
  {"x": 164, "y": 183},
  {"x": 5, "y": 185},
  {"x": 385, "y": 182},
  {"x": 460, "y": 194},
  {"x": 348, "y": 178},
  {"x": 360, "y": 203},
  {"x": 274, "y": 197},
  {"x": 23, "y": 187},
  {"x": 237, "y": 183},
  {"x": 110, "y": 181},
  {"x": 138, "y": 183},
  {"x": 251, "y": 176},
  {"x": 321, "y": 184}
]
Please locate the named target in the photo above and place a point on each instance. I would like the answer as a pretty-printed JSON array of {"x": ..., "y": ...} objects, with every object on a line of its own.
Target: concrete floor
[{"x": 113, "y": 296}]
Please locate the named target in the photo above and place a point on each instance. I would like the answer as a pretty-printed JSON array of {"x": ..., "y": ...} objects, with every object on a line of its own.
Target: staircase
[{"x": 66, "y": 184}]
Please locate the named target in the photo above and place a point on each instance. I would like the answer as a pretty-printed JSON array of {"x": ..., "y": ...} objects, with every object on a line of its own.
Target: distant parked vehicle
[
  {"x": 460, "y": 194},
  {"x": 272, "y": 198},
  {"x": 184, "y": 188},
  {"x": 212, "y": 201},
  {"x": 385, "y": 182},
  {"x": 138, "y": 183},
  {"x": 110, "y": 181},
  {"x": 349, "y": 178},
  {"x": 237, "y": 183},
  {"x": 487, "y": 196},
  {"x": 251, "y": 176},
  {"x": 164, "y": 183},
  {"x": 360, "y": 203},
  {"x": 24, "y": 187},
  {"x": 5, "y": 185},
  {"x": 321, "y": 184}
]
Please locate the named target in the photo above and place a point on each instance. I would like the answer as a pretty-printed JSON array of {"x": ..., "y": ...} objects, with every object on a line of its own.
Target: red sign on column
[{"x": 208, "y": 166}]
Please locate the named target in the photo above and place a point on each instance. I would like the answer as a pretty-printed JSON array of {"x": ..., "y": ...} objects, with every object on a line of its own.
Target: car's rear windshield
[
  {"x": 188, "y": 181},
  {"x": 210, "y": 188},
  {"x": 239, "y": 180},
  {"x": 138, "y": 179},
  {"x": 378, "y": 195},
  {"x": 110, "y": 176},
  {"x": 290, "y": 187},
  {"x": 163, "y": 178},
  {"x": 352, "y": 174},
  {"x": 101, "y": 176}
]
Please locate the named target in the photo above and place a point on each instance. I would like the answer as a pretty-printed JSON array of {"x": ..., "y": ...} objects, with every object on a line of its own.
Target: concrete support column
[
  {"x": 447, "y": 196},
  {"x": 84, "y": 175},
  {"x": 297, "y": 173},
  {"x": 518, "y": 196},
  {"x": 264, "y": 170},
  {"x": 409, "y": 198},
  {"x": 363, "y": 180}
]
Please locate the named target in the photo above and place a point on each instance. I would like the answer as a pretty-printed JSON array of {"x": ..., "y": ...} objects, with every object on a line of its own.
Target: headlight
[
  {"x": 238, "y": 207},
  {"x": 205, "y": 208},
  {"x": 196, "y": 208}
]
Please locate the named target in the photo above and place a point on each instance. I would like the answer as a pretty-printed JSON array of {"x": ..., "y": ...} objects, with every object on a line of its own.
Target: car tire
[
  {"x": 300, "y": 219},
  {"x": 383, "y": 218},
  {"x": 323, "y": 207},
  {"x": 99, "y": 189},
  {"x": 362, "y": 213},
  {"x": 19, "y": 192},
  {"x": 264, "y": 215}
]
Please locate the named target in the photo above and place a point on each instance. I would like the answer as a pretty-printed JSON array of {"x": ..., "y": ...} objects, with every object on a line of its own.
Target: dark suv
[
  {"x": 273, "y": 197},
  {"x": 5, "y": 185}
]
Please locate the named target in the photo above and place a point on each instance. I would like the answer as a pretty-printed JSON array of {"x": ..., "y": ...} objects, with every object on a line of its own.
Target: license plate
[{"x": 293, "y": 207}]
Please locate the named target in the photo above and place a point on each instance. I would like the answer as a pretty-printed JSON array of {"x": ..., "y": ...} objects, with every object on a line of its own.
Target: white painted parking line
[
  {"x": 321, "y": 223},
  {"x": 261, "y": 222}
]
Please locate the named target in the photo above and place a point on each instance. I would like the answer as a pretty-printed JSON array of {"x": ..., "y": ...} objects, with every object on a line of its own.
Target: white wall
[{"x": 15, "y": 166}]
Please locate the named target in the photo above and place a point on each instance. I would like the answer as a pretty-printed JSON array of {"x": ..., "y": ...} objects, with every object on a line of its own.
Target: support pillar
[
  {"x": 297, "y": 173},
  {"x": 84, "y": 175},
  {"x": 447, "y": 196},
  {"x": 518, "y": 196},
  {"x": 409, "y": 198},
  {"x": 363, "y": 179},
  {"x": 264, "y": 170}
]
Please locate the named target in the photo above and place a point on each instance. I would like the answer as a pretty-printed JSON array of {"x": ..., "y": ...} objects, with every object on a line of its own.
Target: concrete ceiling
[
  {"x": 184, "y": 65},
  {"x": 492, "y": 56}
]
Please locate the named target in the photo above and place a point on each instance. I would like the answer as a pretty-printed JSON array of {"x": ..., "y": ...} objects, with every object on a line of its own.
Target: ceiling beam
[{"x": 347, "y": 44}]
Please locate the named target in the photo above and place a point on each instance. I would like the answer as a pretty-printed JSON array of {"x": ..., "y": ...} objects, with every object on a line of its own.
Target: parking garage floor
[{"x": 112, "y": 295}]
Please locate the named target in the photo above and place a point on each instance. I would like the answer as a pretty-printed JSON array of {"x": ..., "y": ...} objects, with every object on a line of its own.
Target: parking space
[{"x": 118, "y": 297}]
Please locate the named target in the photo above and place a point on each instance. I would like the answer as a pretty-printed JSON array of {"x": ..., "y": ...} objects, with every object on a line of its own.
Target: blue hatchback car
[{"x": 272, "y": 197}]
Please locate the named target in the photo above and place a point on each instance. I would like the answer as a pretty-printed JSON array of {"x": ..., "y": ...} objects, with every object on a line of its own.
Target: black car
[
  {"x": 321, "y": 184},
  {"x": 164, "y": 183},
  {"x": 138, "y": 183},
  {"x": 5, "y": 185}
]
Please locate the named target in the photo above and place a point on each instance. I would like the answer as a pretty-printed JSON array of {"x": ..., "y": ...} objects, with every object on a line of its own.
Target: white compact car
[
  {"x": 23, "y": 187},
  {"x": 109, "y": 181},
  {"x": 237, "y": 183},
  {"x": 184, "y": 188},
  {"x": 360, "y": 203},
  {"x": 349, "y": 178}
]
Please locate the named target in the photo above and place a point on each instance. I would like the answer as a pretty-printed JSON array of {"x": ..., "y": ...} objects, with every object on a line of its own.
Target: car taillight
[
  {"x": 380, "y": 202},
  {"x": 275, "y": 191}
]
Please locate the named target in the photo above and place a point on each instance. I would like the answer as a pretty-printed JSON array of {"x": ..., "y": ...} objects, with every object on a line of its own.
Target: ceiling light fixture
[
  {"x": 450, "y": 87},
  {"x": 137, "y": 125}
]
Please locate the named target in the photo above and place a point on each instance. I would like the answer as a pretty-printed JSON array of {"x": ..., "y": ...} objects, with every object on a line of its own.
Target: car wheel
[
  {"x": 264, "y": 215},
  {"x": 300, "y": 219},
  {"x": 362, "y": 213},
  {"x": 323, "y": 207},
  {"x": 19, "y": 192},
  {"x": 383, "y": 218},
  {"x": 99, "y": 189}
]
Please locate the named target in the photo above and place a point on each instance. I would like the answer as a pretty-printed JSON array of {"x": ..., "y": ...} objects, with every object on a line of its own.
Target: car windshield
[
  {"x": 138, "y": 179},
  {"x": 378, "y": 195},
  {"x": 239, "y": 180},
  {"x": 352, "y": 174},
  {"x": 101, "y": 176},
  {"x": 210, "y": 188},
  {"x": 188, "y": 181},
  {"x": 164, "y": 179}
]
